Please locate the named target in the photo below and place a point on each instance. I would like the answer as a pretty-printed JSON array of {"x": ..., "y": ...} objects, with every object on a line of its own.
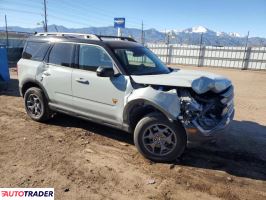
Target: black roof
[
  {"x": 121, "y": 44},
  {"x": 113, "y": 43},
  {"x": 107, "y": 42}
]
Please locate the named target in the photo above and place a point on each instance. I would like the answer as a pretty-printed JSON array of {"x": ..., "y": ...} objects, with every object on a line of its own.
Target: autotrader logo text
[{"x": 27, "y": 193}]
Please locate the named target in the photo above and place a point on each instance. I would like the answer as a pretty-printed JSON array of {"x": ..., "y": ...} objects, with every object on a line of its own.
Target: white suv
[{"x": 119, "y": 83}]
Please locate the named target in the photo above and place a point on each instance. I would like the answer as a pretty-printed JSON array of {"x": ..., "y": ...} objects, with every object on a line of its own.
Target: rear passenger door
[{"x": 57, "y": 74}]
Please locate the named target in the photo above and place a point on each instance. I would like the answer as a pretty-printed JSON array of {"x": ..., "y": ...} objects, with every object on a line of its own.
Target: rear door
[{"x": 57, "y": 74}]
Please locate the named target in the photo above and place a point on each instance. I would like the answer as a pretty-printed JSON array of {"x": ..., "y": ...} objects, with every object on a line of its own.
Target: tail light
[{"x": 17, "y": 69}]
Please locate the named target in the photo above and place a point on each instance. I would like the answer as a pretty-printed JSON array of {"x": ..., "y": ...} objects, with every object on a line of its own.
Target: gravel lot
[{"x": 83, "y": 160}]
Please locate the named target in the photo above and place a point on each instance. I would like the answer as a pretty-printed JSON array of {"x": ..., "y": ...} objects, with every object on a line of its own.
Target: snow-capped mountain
[
  {"x": 234, "y": 34},
  {"x": 187, "y": 36},
  {"x": 196, "y": 29},
  {"x": 204, "y": 30},
  {"x": 231, "y": 34}
]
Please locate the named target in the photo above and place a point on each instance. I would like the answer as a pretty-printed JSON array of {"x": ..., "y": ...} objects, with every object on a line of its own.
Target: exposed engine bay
[{"x": 207, "y": 112}]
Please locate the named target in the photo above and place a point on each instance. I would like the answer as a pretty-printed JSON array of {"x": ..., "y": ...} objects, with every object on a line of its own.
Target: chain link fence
[{"x": 226, "y": 57}]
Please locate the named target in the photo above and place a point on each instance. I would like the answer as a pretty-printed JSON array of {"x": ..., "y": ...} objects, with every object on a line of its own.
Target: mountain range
[{"x": 191, "y": 36}]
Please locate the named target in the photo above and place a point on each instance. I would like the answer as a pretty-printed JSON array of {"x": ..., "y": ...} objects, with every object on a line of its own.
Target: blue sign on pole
[{"x": 119, "y": 22}]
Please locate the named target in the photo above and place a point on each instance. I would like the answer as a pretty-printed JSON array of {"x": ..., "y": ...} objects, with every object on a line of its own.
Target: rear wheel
[
  {"x": 36, "y": 104},
  {"x": 159, "y": 139}
]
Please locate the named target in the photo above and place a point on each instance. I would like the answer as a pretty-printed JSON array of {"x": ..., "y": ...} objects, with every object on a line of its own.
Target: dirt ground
[{"x": 83, "y": 160}]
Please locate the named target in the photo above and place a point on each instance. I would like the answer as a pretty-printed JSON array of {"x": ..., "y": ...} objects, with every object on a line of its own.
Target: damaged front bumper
[
  {"x": 197, "y": 131},
  {"x": 223, "y": 124}
]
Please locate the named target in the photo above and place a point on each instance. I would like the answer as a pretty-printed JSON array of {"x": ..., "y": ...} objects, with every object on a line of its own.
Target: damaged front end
[
  {"x": 209, "y": 112},
  {"x": 204, "y": 106}
]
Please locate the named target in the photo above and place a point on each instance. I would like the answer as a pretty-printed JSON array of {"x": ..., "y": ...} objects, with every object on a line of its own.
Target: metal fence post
[
  {"x": 169, "y": 54},
  {"x": 246, "y": 58},
  {"x": 201, "y": 56},
  {"x": 201, "y": 36}
]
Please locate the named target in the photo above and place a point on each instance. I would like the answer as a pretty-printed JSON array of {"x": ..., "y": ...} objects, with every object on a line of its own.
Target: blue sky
[{"x": 219, "y": 15}]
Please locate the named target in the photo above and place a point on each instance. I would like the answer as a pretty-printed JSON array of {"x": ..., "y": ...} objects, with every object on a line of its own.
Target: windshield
[{"x": 140, "y": 61}]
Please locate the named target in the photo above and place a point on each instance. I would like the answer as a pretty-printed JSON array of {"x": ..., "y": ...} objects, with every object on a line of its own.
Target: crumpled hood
[{"x": 199, "y": 81}]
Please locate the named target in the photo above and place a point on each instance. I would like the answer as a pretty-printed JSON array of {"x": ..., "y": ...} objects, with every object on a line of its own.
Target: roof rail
[
  {"x": 78, "y": 35},
  {"x": 116, "y": 37},
  {"x": 85, "y": 36}
]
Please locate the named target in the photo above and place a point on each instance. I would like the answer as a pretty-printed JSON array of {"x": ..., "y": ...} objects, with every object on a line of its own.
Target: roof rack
[
  {"x": 85, "y": 36},
  {"x": 79, "y": 35},
  {"x": 116, "y": 37}
]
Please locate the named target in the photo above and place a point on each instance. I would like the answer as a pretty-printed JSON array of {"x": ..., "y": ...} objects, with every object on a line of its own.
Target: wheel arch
[
  {"x": 32, "y": 83},
  {"x": 136, "y": 109},
  {"x": 151, "y": 99}
]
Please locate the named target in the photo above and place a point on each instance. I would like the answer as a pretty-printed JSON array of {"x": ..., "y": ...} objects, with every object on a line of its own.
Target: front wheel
[{"x": 158, "y": 139}]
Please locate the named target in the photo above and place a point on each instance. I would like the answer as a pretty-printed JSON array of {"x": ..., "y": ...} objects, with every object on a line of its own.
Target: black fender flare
[
  {"x": 131, "y": 104},
  {"x": 34, "y": 81}
]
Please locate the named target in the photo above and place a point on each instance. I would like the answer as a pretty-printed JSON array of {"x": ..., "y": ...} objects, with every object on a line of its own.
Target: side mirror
[{"x": 105, "y": 71}]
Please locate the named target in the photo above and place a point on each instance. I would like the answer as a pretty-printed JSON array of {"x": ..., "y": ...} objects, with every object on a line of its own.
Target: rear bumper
[{"x": 20, "y": 91}]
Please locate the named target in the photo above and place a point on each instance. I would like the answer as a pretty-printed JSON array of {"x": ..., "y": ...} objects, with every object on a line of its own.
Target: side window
[
  {"x": 35, "y": 50},
  {"x": 91, "y": 57},
  {"x": 62, "y": 54},
  {"x": 134, "y": 59}
]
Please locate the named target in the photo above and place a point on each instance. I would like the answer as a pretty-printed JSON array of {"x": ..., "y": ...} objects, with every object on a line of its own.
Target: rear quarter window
[{"x": 35, "y": 50}]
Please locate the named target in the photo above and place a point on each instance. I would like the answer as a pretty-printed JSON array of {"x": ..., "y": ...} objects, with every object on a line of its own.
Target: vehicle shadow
[
  {"x": 116, "y": 134},
  {"x": 240, "y": 151},
  {"x": 9, "y": 88}
]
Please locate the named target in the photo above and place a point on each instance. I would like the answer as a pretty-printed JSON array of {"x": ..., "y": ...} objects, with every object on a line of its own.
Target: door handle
[{"x": 81, "y": 80}]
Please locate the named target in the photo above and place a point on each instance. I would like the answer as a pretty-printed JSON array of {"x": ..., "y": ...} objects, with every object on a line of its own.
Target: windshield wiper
[{"x": 148, "y": 73}]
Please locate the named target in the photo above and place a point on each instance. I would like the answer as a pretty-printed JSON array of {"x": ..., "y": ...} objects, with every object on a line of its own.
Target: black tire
[
  {"x": 177, "y": 131},
  {"x": 44, "y": 113}
]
